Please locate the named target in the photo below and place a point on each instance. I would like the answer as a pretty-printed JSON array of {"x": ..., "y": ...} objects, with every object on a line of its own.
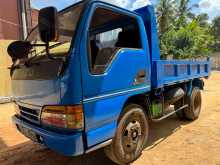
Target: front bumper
[{"x": 69, "y": 145}]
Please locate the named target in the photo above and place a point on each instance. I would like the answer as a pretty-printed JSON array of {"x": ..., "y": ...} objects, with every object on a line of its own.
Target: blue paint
[
  {"x": 69, "y": 145},
  {"x": 150, "y": 23},
  {"x": 168, "y": 72},
  {"x": 103, "y": 96}
]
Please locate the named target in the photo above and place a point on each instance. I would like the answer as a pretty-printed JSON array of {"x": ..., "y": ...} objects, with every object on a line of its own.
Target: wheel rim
[{"x": 131, "y": 136}]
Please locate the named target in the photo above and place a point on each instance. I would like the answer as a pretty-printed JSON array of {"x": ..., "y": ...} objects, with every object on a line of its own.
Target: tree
[
  {"x": 203, "y": 20},
  {"x": 215, "y": 31},
  {"x": 184, "y": 12},
  {"x": 167, "y": 43},
  {"x": 187, "y": 35},
  {"x": 190, "y": 41},
  {"x": 165, "y": 15}
]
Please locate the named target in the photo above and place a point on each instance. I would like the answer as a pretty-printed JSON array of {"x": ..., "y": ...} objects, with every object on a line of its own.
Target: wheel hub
[
  {"x": 135, "y": 134},
  {"x": 131, "y": 135}
]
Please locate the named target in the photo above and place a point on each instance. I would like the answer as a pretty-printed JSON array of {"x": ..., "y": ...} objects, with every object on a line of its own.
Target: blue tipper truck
[{"x": 91, "y": 77}]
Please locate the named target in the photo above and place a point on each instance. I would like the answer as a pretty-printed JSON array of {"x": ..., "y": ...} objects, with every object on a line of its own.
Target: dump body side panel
[
  {"x": 168, "y": 72},
  {"x": 177, "y": 71}
]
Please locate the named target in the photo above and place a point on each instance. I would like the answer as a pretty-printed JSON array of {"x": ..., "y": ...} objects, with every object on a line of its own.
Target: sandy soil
[{"x": 171, "y": 141}]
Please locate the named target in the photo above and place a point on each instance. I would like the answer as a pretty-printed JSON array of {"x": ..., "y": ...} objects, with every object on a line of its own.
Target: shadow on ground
[
  {"x": 24, "y": 153},
  {"x": 162, "y": 130},
  {"x": 2, "y": 144}
]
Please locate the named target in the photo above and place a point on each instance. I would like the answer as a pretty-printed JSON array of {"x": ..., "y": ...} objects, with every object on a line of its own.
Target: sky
[{"x": 212, "y": 7}]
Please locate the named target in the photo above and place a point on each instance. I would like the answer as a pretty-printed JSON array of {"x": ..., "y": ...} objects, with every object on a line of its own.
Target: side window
[
  {"x": 108, "y": 39},
  {"x": 110, "y": 31}
]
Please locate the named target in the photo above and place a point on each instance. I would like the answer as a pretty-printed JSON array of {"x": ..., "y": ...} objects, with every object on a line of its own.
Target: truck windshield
[{"x": 68, "y": 20}]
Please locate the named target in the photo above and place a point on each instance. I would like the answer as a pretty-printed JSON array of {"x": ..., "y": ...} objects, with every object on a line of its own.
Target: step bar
[{"x": 170, "y": 114}]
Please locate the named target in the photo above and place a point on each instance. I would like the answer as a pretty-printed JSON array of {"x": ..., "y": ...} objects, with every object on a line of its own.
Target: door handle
[{"x": 140, "y": 77}]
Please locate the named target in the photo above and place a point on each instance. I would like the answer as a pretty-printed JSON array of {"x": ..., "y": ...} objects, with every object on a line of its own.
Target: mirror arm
[
  {"x": 48, "y": 51},
  {"x": 38, "y": 44}
]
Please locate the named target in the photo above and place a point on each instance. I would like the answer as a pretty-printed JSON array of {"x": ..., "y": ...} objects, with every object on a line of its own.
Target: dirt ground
[{"x": 171, "y": 141}]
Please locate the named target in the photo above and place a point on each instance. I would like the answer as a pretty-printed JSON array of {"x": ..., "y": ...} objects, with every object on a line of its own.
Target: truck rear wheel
[
  {"x": 195, "y": 104},
  {"x": 194, "y": 101},
  {"x": 131, "y": 136}
]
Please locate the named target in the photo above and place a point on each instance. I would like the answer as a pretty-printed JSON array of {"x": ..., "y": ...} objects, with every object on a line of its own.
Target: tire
[
  {"x": 195, "y": 104},
  {"x": 194, "y": 101},
  {"x": 180, "y": 114},
  {"x": 131, "y": 136}
]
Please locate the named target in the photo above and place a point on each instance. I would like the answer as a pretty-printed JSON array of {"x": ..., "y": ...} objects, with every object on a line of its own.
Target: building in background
[
  {"x": 15, "y": 22},
  {"x": 34, "y": 17},
  {"x": 10, "y": 24},
  {"x": 16, "y": 19}
]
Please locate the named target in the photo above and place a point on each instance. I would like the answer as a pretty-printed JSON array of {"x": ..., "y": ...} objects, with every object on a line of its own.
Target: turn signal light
[{"x": 68, "y": 117}]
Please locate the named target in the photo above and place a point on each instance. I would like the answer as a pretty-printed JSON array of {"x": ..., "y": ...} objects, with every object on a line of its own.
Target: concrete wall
[{"x": 5, "y": 62}]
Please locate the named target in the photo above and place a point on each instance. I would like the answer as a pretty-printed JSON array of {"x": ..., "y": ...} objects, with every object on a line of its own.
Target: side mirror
[
  {"x": 48, "y": 24},
  {"x": 19, "y": 49}
]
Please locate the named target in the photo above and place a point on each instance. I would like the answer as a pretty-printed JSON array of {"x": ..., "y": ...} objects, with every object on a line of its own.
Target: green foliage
[
  {"x": 190, "y": 41},
  {"x": 184, "y": 12},
  {"x": 215, "y": 31},
  {"x": 188, "y": 36},
  {"x": 203, "y": 20},
  {"x": 165, "y": 14}
]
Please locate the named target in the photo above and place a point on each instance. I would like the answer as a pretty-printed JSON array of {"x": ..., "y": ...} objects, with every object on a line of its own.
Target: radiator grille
[{"x": 31, "y": 115}]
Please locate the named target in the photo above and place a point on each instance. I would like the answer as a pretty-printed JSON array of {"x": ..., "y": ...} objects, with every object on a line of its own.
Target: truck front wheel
[{"x": 131, "y": 136}]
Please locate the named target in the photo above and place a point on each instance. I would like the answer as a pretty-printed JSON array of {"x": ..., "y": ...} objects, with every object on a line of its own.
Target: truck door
[{"x": 115, "y": 65}]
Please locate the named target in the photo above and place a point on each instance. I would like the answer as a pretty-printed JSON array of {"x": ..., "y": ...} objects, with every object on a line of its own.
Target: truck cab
[{"x": 92, "y": 77}]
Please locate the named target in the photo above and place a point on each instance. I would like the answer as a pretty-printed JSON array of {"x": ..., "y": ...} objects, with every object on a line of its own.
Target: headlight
[{"x": 68, "y": 117}]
